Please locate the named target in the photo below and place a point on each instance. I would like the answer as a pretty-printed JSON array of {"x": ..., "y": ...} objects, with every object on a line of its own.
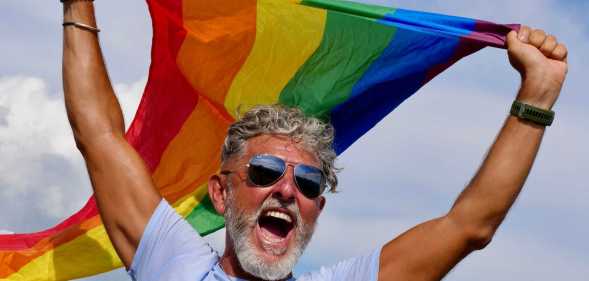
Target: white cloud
[
  {"x": 30, "y": 113},
  {"x": 522, "y": 257},
  {"x": 34, "y": 139},
  {"x": 129, "y": 96},
  {"x": 42, "y": 174}
]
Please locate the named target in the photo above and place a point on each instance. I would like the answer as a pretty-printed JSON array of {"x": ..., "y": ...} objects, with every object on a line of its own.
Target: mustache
[
  {"x": 272, "y": 202},
  {"x": 245, "y": 220}
]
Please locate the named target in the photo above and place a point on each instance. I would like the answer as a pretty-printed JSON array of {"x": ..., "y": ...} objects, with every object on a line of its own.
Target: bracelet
[
  {"x": 82, "y": 26},
  {"x": 528, "y": 112}
]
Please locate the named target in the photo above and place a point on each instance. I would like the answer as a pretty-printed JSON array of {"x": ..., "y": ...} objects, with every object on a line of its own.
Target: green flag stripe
[
  {"x": 350, "y": 8},
  {"x": 204, "y": 217},
  {"x": 349, "y": 45}
]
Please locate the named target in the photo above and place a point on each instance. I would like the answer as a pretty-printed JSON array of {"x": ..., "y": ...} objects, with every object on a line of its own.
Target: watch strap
[{"x": 528, "y": 112}]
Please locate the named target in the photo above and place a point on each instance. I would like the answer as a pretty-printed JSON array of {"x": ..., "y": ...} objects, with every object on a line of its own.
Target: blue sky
[{"x": 408, "y": 169}]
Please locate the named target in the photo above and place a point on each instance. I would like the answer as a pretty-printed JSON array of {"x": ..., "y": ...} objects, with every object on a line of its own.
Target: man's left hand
[{"x": 542, "y": 62}]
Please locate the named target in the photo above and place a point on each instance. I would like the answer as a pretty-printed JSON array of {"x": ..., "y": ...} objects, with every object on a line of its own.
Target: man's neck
[{"x": 230, "y": 265}]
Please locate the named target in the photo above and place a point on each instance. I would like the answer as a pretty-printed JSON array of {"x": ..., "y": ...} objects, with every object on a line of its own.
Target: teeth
[{"x": 279, "y": 215}]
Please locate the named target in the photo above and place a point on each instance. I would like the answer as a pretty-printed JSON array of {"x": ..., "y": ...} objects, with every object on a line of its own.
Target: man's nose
[{"x": 285, "y": 189}]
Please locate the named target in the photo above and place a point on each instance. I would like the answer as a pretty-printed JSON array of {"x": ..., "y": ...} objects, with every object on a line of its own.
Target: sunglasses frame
[{"x": 285, "y": 164}]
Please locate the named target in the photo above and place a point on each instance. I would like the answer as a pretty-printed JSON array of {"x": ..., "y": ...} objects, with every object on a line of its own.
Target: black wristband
[{"x": 531, "y": 113}]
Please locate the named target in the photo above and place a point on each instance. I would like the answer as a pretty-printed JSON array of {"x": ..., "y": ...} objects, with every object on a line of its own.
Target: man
[{"x": 276, "y": 164}]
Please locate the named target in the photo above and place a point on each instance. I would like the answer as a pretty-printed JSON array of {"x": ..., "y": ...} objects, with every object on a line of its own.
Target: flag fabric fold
[{"x": 345, "y": 62}]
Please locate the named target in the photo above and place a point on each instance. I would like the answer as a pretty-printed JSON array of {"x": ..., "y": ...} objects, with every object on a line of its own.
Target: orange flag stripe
[
  {"x": 181, "y": 170},
  {"x": 18, "y": 259},
  {"x": 218, "y": 40}
]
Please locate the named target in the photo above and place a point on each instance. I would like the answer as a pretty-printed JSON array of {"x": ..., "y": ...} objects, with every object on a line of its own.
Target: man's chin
[
  {"x": 266, "y": 257},
  {"x": 265, "y": 264},
  {"x": 266, "y": 248}
]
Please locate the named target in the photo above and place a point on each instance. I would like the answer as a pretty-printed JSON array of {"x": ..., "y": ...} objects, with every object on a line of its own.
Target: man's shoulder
[
  {"x": 364, "y": 267},
  {"x": 170, "y": 247}
]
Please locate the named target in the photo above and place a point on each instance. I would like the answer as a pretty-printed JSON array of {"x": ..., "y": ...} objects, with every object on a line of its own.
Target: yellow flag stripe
[{"x": 280, "y": 49}]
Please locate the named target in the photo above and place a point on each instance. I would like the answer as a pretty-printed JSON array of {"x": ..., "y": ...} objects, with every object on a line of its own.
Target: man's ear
[
  {"x": 322, "y": 201},
  {"x": 217, "y": 193}
]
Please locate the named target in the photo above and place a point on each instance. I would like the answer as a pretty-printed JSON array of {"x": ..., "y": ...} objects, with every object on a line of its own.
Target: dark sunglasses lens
[
  {"x": 309, "y": 179},
  {"x": 265, "y": 170}
]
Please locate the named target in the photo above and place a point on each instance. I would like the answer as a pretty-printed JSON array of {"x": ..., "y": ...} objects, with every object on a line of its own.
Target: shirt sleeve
[
  {"x": 169, "y": 245},
  {"x": 359, "y": 268}
]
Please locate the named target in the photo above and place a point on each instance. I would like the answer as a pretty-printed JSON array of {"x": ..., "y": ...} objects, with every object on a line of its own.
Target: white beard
[{"x": 240, "y": 225}]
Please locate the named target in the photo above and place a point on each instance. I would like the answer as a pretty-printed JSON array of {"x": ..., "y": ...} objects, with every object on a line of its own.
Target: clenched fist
[{"x": 542, "y": 62}]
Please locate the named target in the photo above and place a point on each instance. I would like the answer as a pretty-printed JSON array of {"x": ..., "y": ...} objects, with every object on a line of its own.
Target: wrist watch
[{"x": 528, "y": 112}]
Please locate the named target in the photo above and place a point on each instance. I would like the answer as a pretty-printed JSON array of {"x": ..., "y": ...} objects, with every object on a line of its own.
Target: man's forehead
[
  {"x": 277, "y": 142},
  {"x": 286, "y": 147}
]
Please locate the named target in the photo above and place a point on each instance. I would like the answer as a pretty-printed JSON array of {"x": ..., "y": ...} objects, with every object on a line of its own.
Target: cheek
[
  {"x": 310, "y": 210},
  {"x": 251, "y": 198}
]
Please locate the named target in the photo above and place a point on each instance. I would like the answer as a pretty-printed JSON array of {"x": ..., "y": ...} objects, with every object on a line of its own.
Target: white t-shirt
[{"x": 170, "y": 249}]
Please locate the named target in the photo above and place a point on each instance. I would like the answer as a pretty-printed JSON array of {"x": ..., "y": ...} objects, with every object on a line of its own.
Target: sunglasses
[{"x": 265, "y": 170}]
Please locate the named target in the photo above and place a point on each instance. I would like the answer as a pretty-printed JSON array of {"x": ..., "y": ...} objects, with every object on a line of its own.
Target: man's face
[{"x": 269, "y": 226}]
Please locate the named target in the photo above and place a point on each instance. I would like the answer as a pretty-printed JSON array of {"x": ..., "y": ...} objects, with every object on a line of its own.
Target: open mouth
[{"x": 275, "y": 226}]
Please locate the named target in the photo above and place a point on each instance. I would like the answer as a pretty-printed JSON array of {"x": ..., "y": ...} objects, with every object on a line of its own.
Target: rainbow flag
[{"x": 346, "y": 62}]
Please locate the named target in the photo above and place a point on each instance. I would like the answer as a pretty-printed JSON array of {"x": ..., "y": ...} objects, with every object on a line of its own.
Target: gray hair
[{"x": 315, "y": 135}]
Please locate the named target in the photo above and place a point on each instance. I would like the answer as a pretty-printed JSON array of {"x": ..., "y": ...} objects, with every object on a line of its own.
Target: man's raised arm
[
  {"x": 430, "y": 250},
  {"x": 122, "y": 185}
]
